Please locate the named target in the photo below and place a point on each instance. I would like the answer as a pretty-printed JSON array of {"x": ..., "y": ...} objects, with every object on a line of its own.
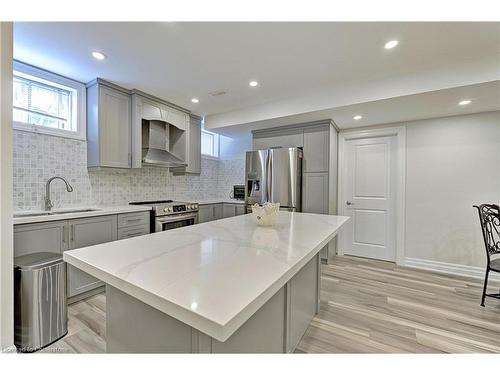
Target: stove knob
[
  {"x": 189, "y": 207},
  {"x": 165, "y": 209}
]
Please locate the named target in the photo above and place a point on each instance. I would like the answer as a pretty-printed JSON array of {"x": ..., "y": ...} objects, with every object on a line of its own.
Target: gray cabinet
[
  {"x": 49, "y": 237},
  {"x": 88, "y": 232},
  {"x": 240, "y": 209},
  {"x": 133, "y": 219},
  {"x": 228, "y": 210},
  {"x": 217, "y": 211},
  {"x": 315, "y": 198},
  {"x": 59, "y": 236},
  {"x": 282, "y": 138},
  {"x": 109, "y": 125},
  {"x": 316, "y": 150},
  {"x": 210, "y": 212},
  {"x": 205, "y": 213},
  {"x": 193, "y": 148},
  {"x": 232, "y": 209},
  {"x": 133, "y": 225},
  {"x": 315, "y": 193}
]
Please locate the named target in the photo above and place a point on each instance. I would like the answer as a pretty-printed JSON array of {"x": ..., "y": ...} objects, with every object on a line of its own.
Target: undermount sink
[{"x": 55, "y": 212}]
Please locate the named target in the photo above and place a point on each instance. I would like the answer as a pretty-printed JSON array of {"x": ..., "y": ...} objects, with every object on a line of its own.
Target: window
[
  {"x": 47, "y": 103},
  {"x": 209, "y": 144}
]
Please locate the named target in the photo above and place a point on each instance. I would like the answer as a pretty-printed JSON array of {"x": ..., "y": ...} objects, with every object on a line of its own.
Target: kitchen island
[{"x": 221, "y": 286}]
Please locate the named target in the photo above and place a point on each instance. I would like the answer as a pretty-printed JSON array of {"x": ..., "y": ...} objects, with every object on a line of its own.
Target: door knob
[{"x": 349, "y": 203}]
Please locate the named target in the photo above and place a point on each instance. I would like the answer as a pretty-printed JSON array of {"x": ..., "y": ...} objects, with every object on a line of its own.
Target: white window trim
[
  {"x": 81, "y": 121},
  {"x": 216, "y": 146}
]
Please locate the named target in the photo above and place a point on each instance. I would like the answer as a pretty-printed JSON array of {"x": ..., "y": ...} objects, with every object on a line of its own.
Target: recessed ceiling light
[
  {"x": 98, "y": 55},
  {"x": 465, "y": 102},
  {"x": 194, "y": 100},
  {"x": 253, "y": 83},
  {"x": 357, "y": 117},
  {"x": 391, "y": 44}
]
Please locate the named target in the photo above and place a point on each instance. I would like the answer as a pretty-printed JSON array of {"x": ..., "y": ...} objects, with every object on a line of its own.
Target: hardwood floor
[{"x": 367, "y": 306}]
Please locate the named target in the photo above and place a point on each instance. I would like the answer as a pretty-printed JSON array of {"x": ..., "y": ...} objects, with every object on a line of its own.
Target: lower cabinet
[
  {"x": 205, "y": 213},
  {"x": 315, "y": 193},
  {"x": 315, "y": 198},
  {"x": 59, "y": 236},
  {"x": 51, "y": 237},
  {"x": 209, "y": 212},
  {"x": 216, "y": 211},
  {"x": 88, "y": 232},
  {"x": 228, "y": 210},
  {"x": 232, "y": 209}
]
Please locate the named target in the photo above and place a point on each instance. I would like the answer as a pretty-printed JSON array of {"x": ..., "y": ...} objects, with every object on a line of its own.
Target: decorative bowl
[{"x": 265, "y": 215}]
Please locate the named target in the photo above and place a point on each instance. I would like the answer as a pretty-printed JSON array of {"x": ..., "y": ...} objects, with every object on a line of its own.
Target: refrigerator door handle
[{"x": 269, "y": 187}]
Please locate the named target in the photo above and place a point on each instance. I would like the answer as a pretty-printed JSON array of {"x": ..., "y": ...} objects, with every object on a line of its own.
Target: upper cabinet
[
  {"x": 109, "y": 110},
  {"x": 114, "y": 128},
  {"x": 193, "y": 147},
  {"x": 264, "y": 139},
  {"x": 316, "y": 149}
]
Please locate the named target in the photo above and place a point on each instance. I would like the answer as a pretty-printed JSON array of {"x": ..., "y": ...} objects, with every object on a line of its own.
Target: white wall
[
  {"x": 235, "y": 147},
  {"x": 6, "y": 247},
  {"x": 452, "y": 163}
]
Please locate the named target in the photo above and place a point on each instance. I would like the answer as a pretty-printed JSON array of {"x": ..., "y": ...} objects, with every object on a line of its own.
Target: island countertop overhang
[{"x": 211, "y": 276}]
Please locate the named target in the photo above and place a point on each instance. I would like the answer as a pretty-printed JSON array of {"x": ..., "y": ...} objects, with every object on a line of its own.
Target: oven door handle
[{"x": 170, "y": 219}]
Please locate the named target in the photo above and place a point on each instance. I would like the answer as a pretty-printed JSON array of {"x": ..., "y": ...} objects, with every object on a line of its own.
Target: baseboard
[{"x": 449, "y": 268}]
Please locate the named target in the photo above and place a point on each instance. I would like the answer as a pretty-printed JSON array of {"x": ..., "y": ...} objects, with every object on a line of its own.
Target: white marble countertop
[
  {"x": 212, "y": 276},
  {"x": 62, "y": 214}
]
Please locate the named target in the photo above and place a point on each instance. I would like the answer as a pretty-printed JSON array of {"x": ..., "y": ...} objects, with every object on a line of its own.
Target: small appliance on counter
[
  {"x": 239, "y": 192},
  {"x": 168, "y": 214}
]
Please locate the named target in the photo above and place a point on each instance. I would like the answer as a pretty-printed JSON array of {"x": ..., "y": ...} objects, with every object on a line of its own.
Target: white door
[{"x": 369, "y": 196}]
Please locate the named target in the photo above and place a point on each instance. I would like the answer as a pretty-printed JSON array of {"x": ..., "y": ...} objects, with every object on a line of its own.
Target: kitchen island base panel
[{"x": 135, "y": 327}]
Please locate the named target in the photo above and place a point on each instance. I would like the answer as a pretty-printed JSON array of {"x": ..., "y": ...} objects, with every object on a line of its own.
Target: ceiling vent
[{"x": 218, "y": 93}]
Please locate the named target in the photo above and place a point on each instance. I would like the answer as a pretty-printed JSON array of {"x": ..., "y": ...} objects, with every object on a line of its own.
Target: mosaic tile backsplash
[{"x": 37, "y": 157}]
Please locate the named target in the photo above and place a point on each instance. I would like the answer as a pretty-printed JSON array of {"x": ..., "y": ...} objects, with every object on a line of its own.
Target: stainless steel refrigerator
[{"x": 274, "y": 175}]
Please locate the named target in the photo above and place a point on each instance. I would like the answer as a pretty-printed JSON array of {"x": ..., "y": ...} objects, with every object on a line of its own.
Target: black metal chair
[{"x": 489, "y": 217}]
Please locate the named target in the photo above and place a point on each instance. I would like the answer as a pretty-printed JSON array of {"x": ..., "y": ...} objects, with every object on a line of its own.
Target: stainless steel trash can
[{"x": 40, "y": 308}]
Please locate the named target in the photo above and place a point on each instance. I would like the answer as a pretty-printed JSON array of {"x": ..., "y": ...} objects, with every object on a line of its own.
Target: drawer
[
  {"x": 129, "y": 232},
  {"x": 133, "y": 219}
]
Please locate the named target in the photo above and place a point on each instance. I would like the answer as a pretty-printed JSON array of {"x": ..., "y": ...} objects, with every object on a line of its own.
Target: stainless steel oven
[
  {"x": 167, "y": 215},
  {"x": 175, "y": 221}
]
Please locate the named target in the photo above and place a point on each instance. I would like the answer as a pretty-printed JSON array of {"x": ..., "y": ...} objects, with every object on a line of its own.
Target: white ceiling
[
  {"x": 485, "y": 97},
  {"x": 301, "y": 67}
]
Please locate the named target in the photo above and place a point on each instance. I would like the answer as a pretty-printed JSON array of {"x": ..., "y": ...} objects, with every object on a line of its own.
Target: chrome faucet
[{"x": 48, "y": 202}]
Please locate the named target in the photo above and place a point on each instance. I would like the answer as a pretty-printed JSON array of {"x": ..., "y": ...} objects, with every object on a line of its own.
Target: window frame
[
  {"x": 81, "y": 103},
  {"x": 216, "y": 145}
]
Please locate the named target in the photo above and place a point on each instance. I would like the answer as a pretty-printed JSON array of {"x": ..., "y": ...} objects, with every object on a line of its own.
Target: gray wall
[{"x": 452, "y": 163}]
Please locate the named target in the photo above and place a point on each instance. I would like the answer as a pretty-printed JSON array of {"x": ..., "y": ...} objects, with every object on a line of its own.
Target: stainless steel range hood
[{"x": 155, "y": 145}]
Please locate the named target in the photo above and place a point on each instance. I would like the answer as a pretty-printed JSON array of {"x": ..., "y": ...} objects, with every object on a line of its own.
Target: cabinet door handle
[
  {"x": 72, "y": 233},
  {"x": 349, "y": 203}
]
